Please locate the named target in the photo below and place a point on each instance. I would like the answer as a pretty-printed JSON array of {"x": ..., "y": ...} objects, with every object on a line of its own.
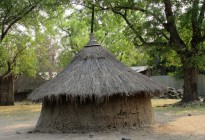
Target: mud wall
[{"x": 118, "y": 112}]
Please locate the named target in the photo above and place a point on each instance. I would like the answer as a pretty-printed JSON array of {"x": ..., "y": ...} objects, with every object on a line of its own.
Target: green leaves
[
  {"x": 27, "y": 63},
  {"x": 55, "y": 32},
  {"x": 109, "y": 31},
  {"x": 28, "y": 26}
]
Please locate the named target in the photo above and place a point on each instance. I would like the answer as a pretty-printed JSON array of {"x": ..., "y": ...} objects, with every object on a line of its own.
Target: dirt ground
[{"x": 176, "y": 123}]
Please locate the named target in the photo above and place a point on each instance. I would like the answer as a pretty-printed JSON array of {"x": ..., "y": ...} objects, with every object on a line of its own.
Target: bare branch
[
  {"x": 171, "y": 28},
  {"x": 164, "y": 35},
  {"x": 137, "y": 33},
  {"x": 129, "y": 24},
  {"x": 14, "y": 19},
  {"x": 194, "y": 20},
  {"x": 17, "y": 55},
  {"x": 8, "y": 69},
  {"x": 201, "y": 18},
  {"x": 201, "y": 14},
  {"x": 105, "y": 35},
  {"x": 143, "y": 11},
  {"x": 66, "y": 30},
  {"x": 203, "y": 37},
  {"x": 9, "y": 63}
]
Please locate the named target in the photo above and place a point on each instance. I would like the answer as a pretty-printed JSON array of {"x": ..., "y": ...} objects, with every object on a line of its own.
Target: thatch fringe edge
[{"x": 92, "y": 98}]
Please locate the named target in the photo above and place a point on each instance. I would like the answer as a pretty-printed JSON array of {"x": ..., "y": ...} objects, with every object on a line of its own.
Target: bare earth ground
[{"x": 172, "y": 123}]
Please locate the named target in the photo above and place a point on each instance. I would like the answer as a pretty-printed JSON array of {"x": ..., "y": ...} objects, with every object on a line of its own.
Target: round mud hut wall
[
  {"x": 117, "y": 112},
  {"x": 95, "y": 92}
]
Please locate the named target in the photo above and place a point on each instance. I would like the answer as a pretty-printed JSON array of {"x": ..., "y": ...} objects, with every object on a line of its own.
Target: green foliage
[
  {"x": 27, "y": 63},
  {"x": 109, "y": 32},
  {"x": 17, "y": 54},
  {"x": 57, "y": 36},
  {"x": 4, "y": 55},
  {"x": 30, "y": 44},
  {"x": 75, "y": 29},
  {"x": 147, "y": 25}
]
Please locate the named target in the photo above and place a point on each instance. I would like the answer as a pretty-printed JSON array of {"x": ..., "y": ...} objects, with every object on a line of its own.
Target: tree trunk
[
  {"x": 190, "y": 84},
  {"x": 6, "y": 91}
]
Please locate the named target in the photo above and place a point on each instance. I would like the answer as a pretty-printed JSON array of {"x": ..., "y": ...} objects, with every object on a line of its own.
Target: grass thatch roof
[
  {"x": 27, "y": 84},
  {"x": 95, "y": 73}
]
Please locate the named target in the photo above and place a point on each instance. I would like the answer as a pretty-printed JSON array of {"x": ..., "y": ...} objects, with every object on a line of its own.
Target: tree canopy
[
  {"x": 43, "y": 36},
  {"x": 177, "y": 26}
]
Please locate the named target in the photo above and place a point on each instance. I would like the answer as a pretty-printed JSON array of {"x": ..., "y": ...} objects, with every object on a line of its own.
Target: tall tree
[
  {"x": 17, "y": 55},
  {"x": 178, "y": 25},
  {"x": 27, "y": 14}
]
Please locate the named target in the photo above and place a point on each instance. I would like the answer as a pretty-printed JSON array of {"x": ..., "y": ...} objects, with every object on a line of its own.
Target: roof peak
[{"x": 92, "y": 42}]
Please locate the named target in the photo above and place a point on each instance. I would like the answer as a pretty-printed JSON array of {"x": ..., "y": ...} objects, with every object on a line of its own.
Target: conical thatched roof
[
  {"x": 96, "y": 73},
  {"x": 27, "y": 84}
]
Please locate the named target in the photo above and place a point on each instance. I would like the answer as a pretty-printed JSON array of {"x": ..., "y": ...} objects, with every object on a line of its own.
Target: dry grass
[
  {"x": 29, "y": 108},
  {"x": 165, "y": 105},
  {"x": 22, "y": 118},
  {"x": 161, "y": 102},
  {"x": 20, "y": 108}
]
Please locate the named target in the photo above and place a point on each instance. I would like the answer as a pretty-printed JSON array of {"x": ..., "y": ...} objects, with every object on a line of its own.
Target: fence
[{"x": 178, "y": 83}]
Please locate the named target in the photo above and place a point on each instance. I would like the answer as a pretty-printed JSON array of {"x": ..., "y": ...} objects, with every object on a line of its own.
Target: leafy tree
[
  {"x": 177, "y": 25},
  {"x": 109, "y": 31},
  {"x": 18, "y": 49},
  {"x": 12, "y": 12},
  {"x": 17, "y": 55}
]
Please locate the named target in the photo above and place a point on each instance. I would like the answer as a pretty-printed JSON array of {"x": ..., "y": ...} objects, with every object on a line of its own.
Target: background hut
[
  {"x": 6, "y": 90},
  {"x": 142, "y": 69},
  {"x": 25, "y": 85},
  {"x": 95, "y": 92}
]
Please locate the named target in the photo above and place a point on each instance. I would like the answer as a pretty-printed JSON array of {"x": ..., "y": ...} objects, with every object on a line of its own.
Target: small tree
[{"x": 16, "y": 56}]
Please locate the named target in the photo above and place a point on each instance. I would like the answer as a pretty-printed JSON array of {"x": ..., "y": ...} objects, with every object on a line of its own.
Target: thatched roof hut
[
  {"x": 25, "y": 85},
  {"x": 96, "y": 91}
]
